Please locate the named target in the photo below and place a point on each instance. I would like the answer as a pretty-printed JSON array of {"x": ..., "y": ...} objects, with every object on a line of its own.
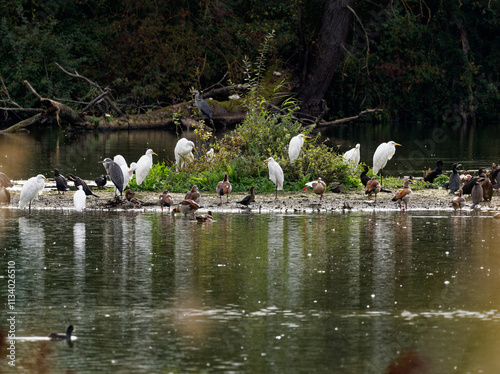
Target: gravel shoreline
[{"x": 428, "y": 199}]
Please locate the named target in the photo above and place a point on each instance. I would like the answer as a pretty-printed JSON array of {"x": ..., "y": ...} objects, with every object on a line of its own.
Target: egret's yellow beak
[
  {"x": 398, "y": 144},
  {"x": 155, "y": 154},
  {"x": 46, "y": 179},
  {"x": 195, "y": 149}
]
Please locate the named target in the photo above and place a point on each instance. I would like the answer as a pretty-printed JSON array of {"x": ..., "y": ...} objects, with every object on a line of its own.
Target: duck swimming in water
[{"x": 56, "y": 336}]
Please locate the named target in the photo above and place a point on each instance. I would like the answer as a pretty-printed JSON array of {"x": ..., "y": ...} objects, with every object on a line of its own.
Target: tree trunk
[{"x": 332, "y": 34}]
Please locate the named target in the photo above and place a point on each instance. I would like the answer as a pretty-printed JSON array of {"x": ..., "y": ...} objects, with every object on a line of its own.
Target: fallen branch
[
  {"x": 348, "y": 119},
  {"x": 93, "y": 84}
]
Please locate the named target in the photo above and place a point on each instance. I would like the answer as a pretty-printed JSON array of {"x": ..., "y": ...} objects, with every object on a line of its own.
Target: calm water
[
  {"x": 25, "y": 155},
  {"x": 253, "y": 293}
]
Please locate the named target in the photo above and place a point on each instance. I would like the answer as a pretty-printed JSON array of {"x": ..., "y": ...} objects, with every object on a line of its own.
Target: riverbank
[{"x": 303, "y": 201}]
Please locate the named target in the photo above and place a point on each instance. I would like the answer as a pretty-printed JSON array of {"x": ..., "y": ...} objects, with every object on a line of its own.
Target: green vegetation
[{"x": 417, "y": 60}]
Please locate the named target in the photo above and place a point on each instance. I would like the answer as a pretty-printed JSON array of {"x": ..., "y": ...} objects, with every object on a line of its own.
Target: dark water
[
  {"x": 253, "y": 293},
  {"x": 25, "y": 155}
]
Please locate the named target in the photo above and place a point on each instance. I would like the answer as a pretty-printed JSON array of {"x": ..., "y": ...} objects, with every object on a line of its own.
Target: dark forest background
[{"x": 418, "y": 60}]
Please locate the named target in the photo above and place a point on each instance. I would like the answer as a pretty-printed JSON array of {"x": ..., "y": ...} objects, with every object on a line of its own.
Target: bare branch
[
  {"x": 348, "y": 119},
  {"x": 32, "y": 90}
]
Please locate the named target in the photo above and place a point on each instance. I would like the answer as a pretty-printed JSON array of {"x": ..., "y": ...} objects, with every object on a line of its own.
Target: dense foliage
[{"x": 419, "y": 60}]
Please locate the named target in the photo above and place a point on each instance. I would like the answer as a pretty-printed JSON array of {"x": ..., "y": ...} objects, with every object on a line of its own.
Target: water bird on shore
[
  {"x": 166, "y": 200},
  {"x": 352, "y": 156},
  {"x": 67, "y": 336},
  {"x": 186, "y": 206},
  {"x": 383, "y": 153},
  {"x": 183, "y": 152},
  {"x": 319, "y": 187},
  {"x": 247, "y": 200},
  {"x": 193, "y": 194},
  {"x": 403, "y": 195},
  {"x": 275, "y": 174},
  {"x": 120, "y": 160},
  {"x": 469, "y": 185},
  {"x": 372, "y": 187},
  {"x": 5, "y": 181},
  {"x": 459, "y": 201},
  {"x": 61, "y": 183},
  {"x": 31, "y": 189},
  {"x": 4, "y": 195},
  {"x": 143, "y": 166},
  {"x": 202, "y": 105},
  {"x": 454, "y": 183},
  {"x": 80, "y": 182},
  {"x": 115, "y": 173},
  {"x": 430, "y": 176},
  {"x": 101, "y": 181},
  {"x": 487, "y": 188},
  {"x": 477, "y": 191},
  {"x": 224, "y": 188},
  {"x": 364, "y": 178},
  {"x": 295, "y": 146},
  {"x": 79, "y": 199},
  {"x": 4, "y": 192},
  {"x": 205, "y": 217}
]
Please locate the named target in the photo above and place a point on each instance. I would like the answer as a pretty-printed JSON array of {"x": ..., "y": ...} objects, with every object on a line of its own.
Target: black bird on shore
[
  {"x": 477, "y": 191},
  {"x": 364, "y": 178},
  {"x": 467, "y": 187},
  {"x": 61, "y": 183},
  {"x": 248, "y": 199},
  {"x": 454, "y": 182},
  {"x": 430, "y": 176},
  {"x": 80, "y": 182},
  {"x": 101, "y": 181}
]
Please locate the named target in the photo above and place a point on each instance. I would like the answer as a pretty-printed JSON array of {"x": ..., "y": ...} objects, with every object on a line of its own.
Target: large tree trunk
[{"x": 332, "y": 34}]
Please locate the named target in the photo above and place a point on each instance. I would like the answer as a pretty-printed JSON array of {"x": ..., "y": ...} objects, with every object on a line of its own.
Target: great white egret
[
  {"x": 183, "y": 152},
  {"x": 477, "y": 191},
  {"x": 67, "y": 336},
  {"x": 295, "y": 146},
  {"x": 458, "y": 202},
  {"x": 61, "y": 183},
  {"x": 372, "y": 188},
  {"x": 318, "y": 186},
  {"x": 403, "y": 195},
  {"x": 79, "y": 199},
  {"x": 383, "y": 153},
  {"x": 31, "y": 189},
  {"x": 193, "y": 194},
  {"x": 166, "y": 200},
  {"x": 275, "y": 174},
  {"x": 133, "y": 168},
  {"x": 143, "y": 166},
  {"x": 120, "y": 160},
  {"x": 80, "y": 182},
  {"x": 249, "y": 198},
  {"x": 224, "y": 188},
  {"x": 454, "y": 181},
  {"x": 352, "y": 156},
  {"x": 430, "y": 176},
  {"x": 115, "y": 173}
]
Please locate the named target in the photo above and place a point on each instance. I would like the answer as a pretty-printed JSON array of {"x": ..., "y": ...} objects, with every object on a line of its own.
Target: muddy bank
[{"x": 428, "y": 199}]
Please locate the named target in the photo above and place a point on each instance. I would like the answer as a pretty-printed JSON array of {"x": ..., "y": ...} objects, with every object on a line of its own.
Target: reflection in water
[{"x": 344, "y": 293}]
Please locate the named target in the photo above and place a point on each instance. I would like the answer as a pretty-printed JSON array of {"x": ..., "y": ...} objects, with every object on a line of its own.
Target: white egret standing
[
  {"x": 31, "y": 189},
  {"x": 275, "y": 174},
  {"x": 79, "y": 199},
  {"x": 352, "y": 156},
  {"x": 295, "y": 146},
  {"x": 183, "y": 152},
  {"x": 144, "y": 165},
  {"x": 133, "y": 168},
  {"x": 383, "y": 153}
]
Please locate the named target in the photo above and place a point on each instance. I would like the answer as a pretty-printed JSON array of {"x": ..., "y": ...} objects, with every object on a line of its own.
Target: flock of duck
[{"x": 120, "y": 173}]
